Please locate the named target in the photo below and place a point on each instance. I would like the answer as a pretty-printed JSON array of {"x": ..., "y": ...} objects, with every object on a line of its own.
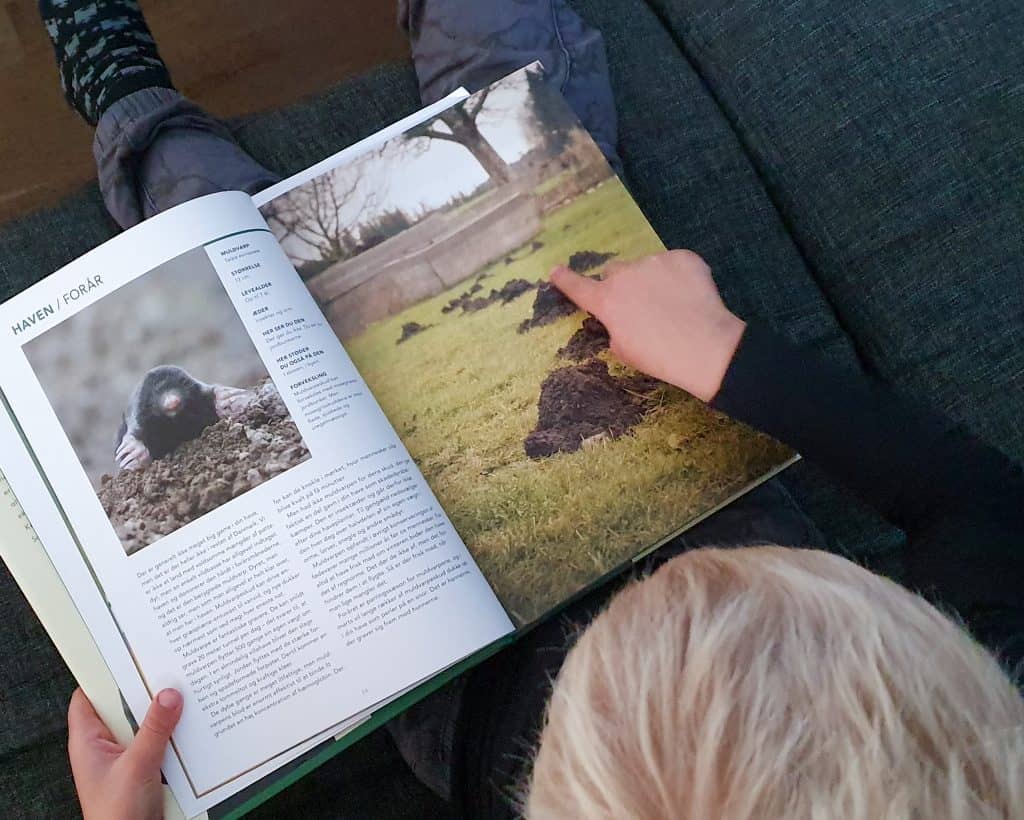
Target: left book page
[{"x": 215, "y": 485}]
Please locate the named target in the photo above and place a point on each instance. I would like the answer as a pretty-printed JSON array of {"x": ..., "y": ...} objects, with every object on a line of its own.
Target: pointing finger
[
  {"x": 583, "y": 291},
  {"x": 614, "y": 269}
]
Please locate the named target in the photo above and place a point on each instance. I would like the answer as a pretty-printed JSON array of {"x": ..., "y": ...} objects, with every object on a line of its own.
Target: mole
[{"x": 168, "y": 408}]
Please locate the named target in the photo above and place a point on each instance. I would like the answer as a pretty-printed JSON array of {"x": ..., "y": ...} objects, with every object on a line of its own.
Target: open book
[{"x": 299, "y": 454}]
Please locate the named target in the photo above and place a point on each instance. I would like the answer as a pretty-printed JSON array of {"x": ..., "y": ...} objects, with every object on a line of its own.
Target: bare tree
[
  {"x": 311, "y": 214},
  {"x": 462, "y": 129}
]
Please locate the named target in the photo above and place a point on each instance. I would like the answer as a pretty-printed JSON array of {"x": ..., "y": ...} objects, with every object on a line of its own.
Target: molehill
[
  {"x": 550, "y": 304},
  {"x": 586, "y": 342},
  {"x": 585, "y": 403},
  {"x": 469, "y": 303},
  {"x": 410, "y": 329}
]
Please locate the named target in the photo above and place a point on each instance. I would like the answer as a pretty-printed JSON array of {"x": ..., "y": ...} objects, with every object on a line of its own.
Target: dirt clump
[
  {"x": 582, "y": 261},
  {"x": 511, "y": 290},
  {"x": 586, "y": 342},
  {"x": 583, "y": 403},
  {"x": 410, "y": 329},
  {"x": 470, "y": 303},
  {"x": 456, "y": 303},
  {"x": 548, "y": 306},
  {"x": 464, "y": 297},
  {"x": 473, "y": 305},
  {"x": 226, "y": 460}
]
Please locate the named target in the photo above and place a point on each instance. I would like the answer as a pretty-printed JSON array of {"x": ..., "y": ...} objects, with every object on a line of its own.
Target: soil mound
[
  {"x": 582, "y": 261},
  {"x": 228, "y": 459},
  {"x": 586, "y": 342},
  {"x": 410, "y": 329},
  {"x": 548, "y": 306},
  {"x": 512, "y": 289},
  {"x": 473, "y": 305},
  {"x": 463, "y": 298},
  {"x": 583, "y": 402}
]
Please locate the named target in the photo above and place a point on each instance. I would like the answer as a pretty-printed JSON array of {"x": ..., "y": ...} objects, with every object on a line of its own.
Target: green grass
[
  {"x": 552, "y": 183},
  {"x": 463, "y": 396}
]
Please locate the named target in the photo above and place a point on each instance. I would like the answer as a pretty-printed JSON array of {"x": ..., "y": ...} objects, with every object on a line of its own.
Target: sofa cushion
[
  {"x": 290, "y": 139},
  {"x": 889, "y": 134},
  {"x": 35, "y": 687}
]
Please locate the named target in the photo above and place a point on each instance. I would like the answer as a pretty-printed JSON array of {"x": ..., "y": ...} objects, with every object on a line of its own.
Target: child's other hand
[
  {"x": 664, "y": 316},
  {"x": 115, "y": 783}
]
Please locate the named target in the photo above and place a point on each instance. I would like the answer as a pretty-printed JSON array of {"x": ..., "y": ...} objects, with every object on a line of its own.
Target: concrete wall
[
  {"x": 575, "y": 184},
  {"x": 425, "y": 260}
]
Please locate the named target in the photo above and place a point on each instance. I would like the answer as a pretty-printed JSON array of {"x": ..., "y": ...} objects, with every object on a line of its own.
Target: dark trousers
[{"x": 154, "y": 149}]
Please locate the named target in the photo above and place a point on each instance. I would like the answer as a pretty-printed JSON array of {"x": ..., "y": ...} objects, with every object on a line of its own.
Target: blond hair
[{"x": 777, "y": 683}]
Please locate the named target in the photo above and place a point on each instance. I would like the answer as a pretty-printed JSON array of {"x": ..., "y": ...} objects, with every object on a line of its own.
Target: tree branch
[
  {"x": 437, "y": 135},
  {"x": 480, "y": 99}
]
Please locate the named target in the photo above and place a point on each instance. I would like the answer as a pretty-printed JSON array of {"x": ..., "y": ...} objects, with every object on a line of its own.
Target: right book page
[{"x": 430, "y": 255}]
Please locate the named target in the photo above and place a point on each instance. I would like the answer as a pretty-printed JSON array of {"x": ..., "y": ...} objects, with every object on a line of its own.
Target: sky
[{"x": 413, "y": 181}]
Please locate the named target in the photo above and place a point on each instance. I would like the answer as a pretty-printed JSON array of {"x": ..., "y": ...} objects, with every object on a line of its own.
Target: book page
[
  {"x": 236, "y": 516},
  {"x": 430, "y": 257}
]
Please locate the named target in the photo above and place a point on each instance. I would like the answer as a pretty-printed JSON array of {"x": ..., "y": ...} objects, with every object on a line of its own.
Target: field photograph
[{"x": 430, "y": 257}]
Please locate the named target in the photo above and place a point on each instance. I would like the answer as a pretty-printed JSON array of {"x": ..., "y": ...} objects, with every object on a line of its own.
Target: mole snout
[
  {"x": 168, "y": 408},
  {"x": 170, "y": 403}
]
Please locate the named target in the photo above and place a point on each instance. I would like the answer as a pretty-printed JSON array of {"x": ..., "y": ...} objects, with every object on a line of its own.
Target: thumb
[
  {"x": 582, "y": 290},
  {"x": 146, "y": 751}
]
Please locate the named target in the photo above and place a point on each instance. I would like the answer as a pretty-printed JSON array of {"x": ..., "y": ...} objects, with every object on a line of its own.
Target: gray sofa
[{"x": 853, "y": 174}]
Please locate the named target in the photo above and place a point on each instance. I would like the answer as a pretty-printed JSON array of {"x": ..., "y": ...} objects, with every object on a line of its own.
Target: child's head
[{"x": 777, "y": 683}]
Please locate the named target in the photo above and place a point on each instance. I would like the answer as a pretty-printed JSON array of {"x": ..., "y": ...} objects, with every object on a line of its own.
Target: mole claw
[
  {"x": 231, "y": 401},
  {"x": 132, "y": 454}
]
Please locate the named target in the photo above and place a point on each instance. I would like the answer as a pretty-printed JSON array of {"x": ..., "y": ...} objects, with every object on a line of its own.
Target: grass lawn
[{"x": 463, "y": 396}]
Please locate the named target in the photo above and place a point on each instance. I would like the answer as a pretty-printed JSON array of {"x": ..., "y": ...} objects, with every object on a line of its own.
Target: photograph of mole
[
  {"x": 430, "y": 256},
  {"x": 165, "y": 400}
]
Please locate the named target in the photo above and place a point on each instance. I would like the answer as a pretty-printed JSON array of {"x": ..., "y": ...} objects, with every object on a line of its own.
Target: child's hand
[
  {"x": 664, "y": 317},
  {"x": 115, "y": 783}
]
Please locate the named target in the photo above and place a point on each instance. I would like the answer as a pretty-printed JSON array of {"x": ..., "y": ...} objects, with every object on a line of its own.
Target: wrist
[{"x": 723, "y": 341}]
